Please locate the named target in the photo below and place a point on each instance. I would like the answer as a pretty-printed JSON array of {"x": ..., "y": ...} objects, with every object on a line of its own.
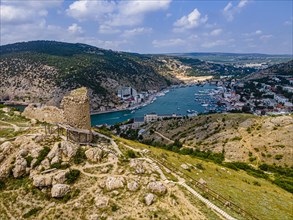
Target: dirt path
[
  {"x": 15, "y": 127},
  {"x": 166, "y": 138}
]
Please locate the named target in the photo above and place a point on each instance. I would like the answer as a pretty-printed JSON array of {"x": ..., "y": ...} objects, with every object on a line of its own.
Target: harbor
[{"x": 180, "y": 100}]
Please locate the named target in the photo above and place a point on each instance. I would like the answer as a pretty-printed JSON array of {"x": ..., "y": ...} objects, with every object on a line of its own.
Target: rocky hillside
[
  {"x": 241, "y": 137},
  {"x": 45, "y": 176},
  {"x": 282, "y": 69},
  {"x": 43, "y": 71}
]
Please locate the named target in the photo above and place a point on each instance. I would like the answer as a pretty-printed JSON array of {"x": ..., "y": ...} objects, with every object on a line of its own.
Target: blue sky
[{"x": 145, "y": 26}]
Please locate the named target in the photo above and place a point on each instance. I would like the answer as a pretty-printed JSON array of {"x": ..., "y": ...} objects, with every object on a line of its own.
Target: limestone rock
[
  {"x": 4, "y": 169},
  {"x": 149, "y": 199},
  {"x": 132, "y": 186},
  {"x": 55, "y": 159},
  {"x": 94, "y": 217},
  {"x": 42, "y": 180},
  {"x": 55, "y": 151},
  {"x": 184, "y": 166},
  {"x": 5, "y": 149},
  {"x": 138, "y": 166},
  {"x": 19, "y": 167},
  {"x": 46, "y": 163},
  {"x": 157, "y": 187},
  {"x": 101, "y": 202},
  {"x": 94, "y": 154},
  {"x": 69, "y": 149},
  {"x": 60, "y": 177},
  {"x": 22, "y": 153},
  {"x": 60, "y": 190},
  {"x": 114, "y": 183}
]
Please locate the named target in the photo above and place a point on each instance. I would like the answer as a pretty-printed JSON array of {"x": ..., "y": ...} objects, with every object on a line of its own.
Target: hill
[
  {"x": 43, "y": 71},
  {"x": 240, "y": 137},
  {"x": 45, "y": 176},
  {"x": 282, "y": 69}
]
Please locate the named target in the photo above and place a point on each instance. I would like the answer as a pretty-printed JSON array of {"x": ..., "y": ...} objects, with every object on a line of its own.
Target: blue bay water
[{"x": 177, "y": 101}]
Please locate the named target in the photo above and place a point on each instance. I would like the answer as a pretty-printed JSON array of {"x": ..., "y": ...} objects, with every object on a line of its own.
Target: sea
[{"x": 180, "y": 101}]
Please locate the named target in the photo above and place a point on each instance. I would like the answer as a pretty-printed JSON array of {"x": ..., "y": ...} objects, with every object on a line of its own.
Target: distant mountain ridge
[{"x": 282, "y": 69}]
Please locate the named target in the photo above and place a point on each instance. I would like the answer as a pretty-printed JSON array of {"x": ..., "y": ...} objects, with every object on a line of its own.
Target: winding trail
[{"x": 181, "y": 182}]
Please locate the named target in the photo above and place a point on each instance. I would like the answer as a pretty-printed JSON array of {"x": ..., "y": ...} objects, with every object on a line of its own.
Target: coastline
[{"x": 187, "y": 81}]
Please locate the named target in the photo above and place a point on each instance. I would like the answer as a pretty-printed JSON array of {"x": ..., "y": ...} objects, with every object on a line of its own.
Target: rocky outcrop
[
  {"x": 94, "y": 154},
  {"x": 19, "y": 167},
  {"x": 140, "y": 166},
  {"x": 132, "y": 186},
  {"x": 76, "y": 107},
  {"x": 69, "y": 149},
  {"x": 60, "y": 190},
  {"x": 101, "y": 202},
  {"x": 50, "y": 114},
  {"x": 5, "y": 149},
  {"x": 114, "y": 183},
  {"x": 149, "y": 199},
  {"x": 157, "y": 188},
  {"x": 59, "y": 177},
  {"x": 42, "y": 181}
]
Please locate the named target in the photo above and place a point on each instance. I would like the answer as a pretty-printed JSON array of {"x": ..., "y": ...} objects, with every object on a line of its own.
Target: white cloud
[
  {"x": 258, "y": 32},
  {"x": 23, "y": 12},
  {"x": 216, "y": 43},
  {"x": 289, "y": 22},
  {"x": 229, "y": 11},
  {"x": 137, "y": 31},
  {"x": 265, "y": 37},
  {"x": 75, "y": 29},
  {"x": 115, "y": 13},
  {"x": 106, "y": 29},
  {"x": 168, "y": 43},
  {"x": 90, "y": 9},
  {"x": 216, "y": 32},
  {"x": 190, "y": 21}
]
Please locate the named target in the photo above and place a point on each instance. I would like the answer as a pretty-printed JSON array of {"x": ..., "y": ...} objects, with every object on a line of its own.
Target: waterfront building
[{"x": 126, "y": 93}]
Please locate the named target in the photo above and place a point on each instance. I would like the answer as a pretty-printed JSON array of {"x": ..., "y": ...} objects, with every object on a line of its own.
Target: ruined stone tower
[{"x": 76, "y": 107}]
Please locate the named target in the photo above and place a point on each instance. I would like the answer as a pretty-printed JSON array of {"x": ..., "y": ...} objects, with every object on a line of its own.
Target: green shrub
[
  {"x": 29, "y": 160},
  {"x": 278, "y": 157},
  {"x": 72, "y": 176},
  {"x": 256, "y": 183},
  {"x": 32, "y": 212},
  {"x": 200, "y": 166},
  {"x": 43, "y": 153},
  {"x": 236, "y": 138},
  {"x": 130, "y": 154},
  {"x": 79, "y": 157},
  {"x": 2, "y": 185}
]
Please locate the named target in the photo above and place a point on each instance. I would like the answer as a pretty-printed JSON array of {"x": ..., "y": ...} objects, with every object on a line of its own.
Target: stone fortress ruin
[{"x": 73, "y": 118}]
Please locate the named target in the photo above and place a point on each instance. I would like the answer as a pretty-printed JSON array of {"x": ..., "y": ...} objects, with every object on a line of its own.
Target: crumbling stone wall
[
  {"x": 76, "y": 108},
  {"x": 50, "y": 114}
]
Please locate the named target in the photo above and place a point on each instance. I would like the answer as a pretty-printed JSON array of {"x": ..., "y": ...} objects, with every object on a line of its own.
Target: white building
[
  {"x": 126, "y": 92},
  {"x": 150, "y": 117}
]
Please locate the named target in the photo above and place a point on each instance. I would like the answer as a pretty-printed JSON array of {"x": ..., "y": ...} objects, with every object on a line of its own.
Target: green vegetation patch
[
  {"x": 43, "y": 153},
  {"x": 32, "y": 212},
  {"x": 72, "y": 176}
]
